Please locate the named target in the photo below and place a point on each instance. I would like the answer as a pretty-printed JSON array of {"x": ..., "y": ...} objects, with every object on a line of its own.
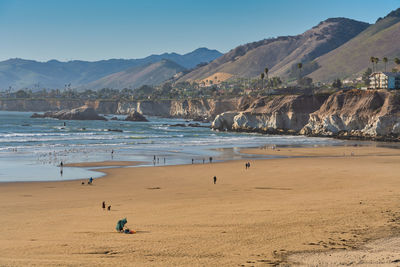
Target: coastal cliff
[
  {"x": 351, "y": 114},
  {"x": 361, "y": 114},
  {"x": 190, "y": 109},
  {"x": 281, "y": 114}
]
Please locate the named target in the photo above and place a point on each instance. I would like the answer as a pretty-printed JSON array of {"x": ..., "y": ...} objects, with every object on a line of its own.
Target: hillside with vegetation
[
  {"x": 151, "y": 74},
  {"x": 282, "y": 54},
  {"x": 379, "y": 40}
]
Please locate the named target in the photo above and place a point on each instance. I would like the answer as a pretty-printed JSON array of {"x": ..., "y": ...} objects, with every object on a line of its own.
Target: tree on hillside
[
  {"x": 299, "y": 66},
  {"x": 397, "y": 61},
  {"x": 275, "y": 82},
  {"x": 376, "y": 63},
  {"x": 305, "y": 82},
  {"x": 365, "y": 76},
  {"x": 385, "y": 60},
  {"x": 372, "y": 60},
  {"x": 262, "y": 80},
  {"x": 266, "y": 74},
  {"x": 337, "y": 84}
]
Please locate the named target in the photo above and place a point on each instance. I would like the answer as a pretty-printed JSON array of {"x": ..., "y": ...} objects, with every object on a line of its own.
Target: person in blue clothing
[
  {"x": 120, "y": 225},
  {"x": 90, "y": 180}
]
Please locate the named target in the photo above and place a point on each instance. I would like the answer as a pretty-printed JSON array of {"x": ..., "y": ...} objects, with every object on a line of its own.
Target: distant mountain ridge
[
  {"x": 150, "y": 74},
  {"x": 21, "y": 73},
  {"x": 282, "y": 53}
]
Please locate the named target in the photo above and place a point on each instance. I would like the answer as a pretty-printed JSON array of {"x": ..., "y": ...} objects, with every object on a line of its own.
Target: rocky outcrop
[
  {"x": 135, "y": 116},
  {"x": 81, "y": 113},
  {"x": 283, "y": 114},
  {"x": 359, "y": 114},
  {"x": 199, "y": 109},
  {"x": 352, "y": 114}
]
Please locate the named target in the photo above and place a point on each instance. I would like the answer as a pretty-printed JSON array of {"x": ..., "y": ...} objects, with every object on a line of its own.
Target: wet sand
[
  {"x": 103, "y": 164},
  {"x": 269, "y": 214}
]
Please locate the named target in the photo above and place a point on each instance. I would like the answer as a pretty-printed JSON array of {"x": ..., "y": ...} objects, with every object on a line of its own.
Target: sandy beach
[{"x": 299, "y": 211}]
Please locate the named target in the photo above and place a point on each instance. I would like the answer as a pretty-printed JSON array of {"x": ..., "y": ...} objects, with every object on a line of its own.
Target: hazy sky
[{"x": 100, "y": 29}]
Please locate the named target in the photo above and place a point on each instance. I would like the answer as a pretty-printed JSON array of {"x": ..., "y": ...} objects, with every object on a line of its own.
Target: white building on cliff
[{"x": 384, "y": 80}]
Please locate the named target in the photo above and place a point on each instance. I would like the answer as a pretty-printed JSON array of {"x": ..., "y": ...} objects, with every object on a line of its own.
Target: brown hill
[
  {"x": 151, "y": 74},
  {"x": 380, "y": 40},
  {"x": 282, "y": 53}
]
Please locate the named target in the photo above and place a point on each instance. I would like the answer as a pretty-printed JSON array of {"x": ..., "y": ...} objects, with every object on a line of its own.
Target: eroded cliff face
[
  {"x": 39, "y": 104},
  {"x": 279, "y": 114},
  {"x": 368, "y": 114},
  {"x": 352, "y": 114},
  {"x": 193, "y": 108}
]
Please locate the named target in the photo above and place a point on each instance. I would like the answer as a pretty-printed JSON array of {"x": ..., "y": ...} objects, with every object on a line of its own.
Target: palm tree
[
  {"x": 262, "y": 80},
  {"x": 372, "y": 60},
  {"x": 299, "y": 66},
  {"x": 385, "y": 60},
  {"x": 397, "y": 61},
  {"x": 376, "y": 63},
  {"x": 376, "y": 68}
]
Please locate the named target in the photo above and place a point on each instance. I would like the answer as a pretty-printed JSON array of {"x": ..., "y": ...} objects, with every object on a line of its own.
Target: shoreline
[{"x": 262, "y": 215}]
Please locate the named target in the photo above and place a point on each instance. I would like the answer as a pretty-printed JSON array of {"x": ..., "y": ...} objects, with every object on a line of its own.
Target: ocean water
[{"x": 32, "y": 149}]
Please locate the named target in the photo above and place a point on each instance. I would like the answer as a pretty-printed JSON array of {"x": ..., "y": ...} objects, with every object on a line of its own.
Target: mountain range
[
  {"x": 335, "y": 48},
  {"x": 21, "y": 73}
]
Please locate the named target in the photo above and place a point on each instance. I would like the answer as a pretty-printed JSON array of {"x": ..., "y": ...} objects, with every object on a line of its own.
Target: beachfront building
[{"x": 384, "y": 80}]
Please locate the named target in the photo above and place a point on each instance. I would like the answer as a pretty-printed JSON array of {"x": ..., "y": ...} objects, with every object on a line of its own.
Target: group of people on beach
[
  {"x": 247, "y": 165},
  {"x": 103, "y": 205},
  {"x": 157, "y": 160}
]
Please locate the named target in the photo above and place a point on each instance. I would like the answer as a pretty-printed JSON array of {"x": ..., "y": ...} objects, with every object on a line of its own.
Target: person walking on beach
[
  {"x": 90, "y": 180},
  {"x": 215, "y": 179},
  {"x": 246, "y": 165},
  {"x": 204, "y": 160},
  {"x": 210, "y": 159},
  {"x": 104, "y": 205},
  {"x": 192, "y": 161}
]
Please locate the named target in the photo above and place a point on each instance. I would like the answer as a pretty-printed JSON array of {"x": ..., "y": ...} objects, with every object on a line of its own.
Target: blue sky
[{"x": 100, "y": 29}]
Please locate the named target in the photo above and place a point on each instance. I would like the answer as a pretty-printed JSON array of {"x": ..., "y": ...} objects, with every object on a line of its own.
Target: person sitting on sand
[
  {"x": 120, "y": 227},
  {"x": 109, "y": 208},
  {"x": 121, "y": 224}
]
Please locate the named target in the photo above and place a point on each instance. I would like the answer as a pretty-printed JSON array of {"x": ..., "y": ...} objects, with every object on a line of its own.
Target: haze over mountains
[
  {"x": 21, "y": 73},
  {"x": 150, "y": 74},
  {"x": 335, "y": 48}
]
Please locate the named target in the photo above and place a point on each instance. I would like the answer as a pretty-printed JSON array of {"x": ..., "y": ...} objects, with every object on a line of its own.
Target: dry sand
[{"x": 269, "y": 214}]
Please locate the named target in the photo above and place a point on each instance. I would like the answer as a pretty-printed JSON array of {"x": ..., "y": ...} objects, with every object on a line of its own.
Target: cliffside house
[{"x": 384, "y": 80}]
